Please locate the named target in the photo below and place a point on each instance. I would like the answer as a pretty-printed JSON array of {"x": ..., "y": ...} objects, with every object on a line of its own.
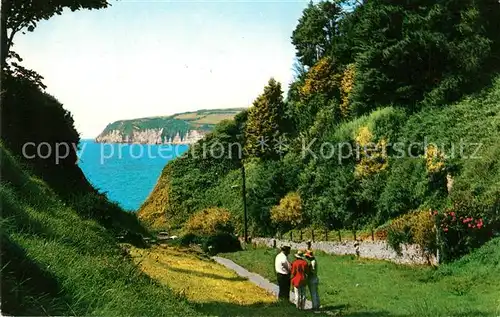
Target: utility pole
[{"x": 244, "y": 196}]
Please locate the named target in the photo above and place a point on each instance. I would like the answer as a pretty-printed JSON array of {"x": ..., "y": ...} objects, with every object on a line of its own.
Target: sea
[{"x": 126, "y": 173}]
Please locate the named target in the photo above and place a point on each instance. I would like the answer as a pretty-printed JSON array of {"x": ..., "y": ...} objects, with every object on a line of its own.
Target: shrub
[
  {"x": 289, "y": 210},
  {"x": 210, "y": 221},
  {"x": 413, "y": 228},
  {"x": 212, "y": 244},
  {"x": 463, "y": 229}
]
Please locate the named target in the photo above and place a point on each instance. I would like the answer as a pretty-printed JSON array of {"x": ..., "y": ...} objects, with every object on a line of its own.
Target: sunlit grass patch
[{"x": 200, "y": 280}]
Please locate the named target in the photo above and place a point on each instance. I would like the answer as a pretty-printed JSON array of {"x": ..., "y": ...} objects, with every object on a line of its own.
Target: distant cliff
[{"x": 182, "y": 128}]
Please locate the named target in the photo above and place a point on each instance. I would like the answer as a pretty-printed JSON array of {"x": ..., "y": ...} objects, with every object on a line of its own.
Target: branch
[{"x": 10, "y": 39}]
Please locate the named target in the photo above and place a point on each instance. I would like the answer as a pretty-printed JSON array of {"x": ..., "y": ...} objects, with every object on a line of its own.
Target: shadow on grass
[
  {"x": 28, "y": 289},
  {"x": 208, "y": 275},
  {"x": 282, "y": 309},
  {"x": 258, "y": 309}
]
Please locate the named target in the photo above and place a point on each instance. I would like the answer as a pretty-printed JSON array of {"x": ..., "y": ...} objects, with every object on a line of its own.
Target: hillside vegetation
[
  {"x": 56, "y": 261},
  {"x": 392, "y": 123},
  {"x": 201, "y": 120}
]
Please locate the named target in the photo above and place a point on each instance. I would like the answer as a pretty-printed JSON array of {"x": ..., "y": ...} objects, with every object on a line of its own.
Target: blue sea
[{"x": 127, "y": 173}]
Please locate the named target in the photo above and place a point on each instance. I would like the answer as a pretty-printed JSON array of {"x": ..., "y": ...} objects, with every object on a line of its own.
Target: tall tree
[
  {"x": 316, "y": 31},
  {"x": 266, "y": 122},
  {"x": 422, "y": 50}
]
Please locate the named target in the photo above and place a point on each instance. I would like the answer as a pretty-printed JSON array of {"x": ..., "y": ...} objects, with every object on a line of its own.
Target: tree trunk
[
  {"x": 3, "y": 30},
  {"x": 340, "y": 236}
]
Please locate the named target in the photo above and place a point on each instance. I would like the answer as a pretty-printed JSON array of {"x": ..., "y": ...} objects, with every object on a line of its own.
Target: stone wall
[{"x": 367, "y": 249}]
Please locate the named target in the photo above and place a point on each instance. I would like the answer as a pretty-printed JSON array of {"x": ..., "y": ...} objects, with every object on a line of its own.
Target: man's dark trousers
[{"x": 284, "y": 286}]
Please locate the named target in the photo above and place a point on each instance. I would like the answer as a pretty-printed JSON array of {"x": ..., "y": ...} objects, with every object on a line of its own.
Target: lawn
[
  {"x": 210, "y": 287},
  {"x": 361, "y": 287}
]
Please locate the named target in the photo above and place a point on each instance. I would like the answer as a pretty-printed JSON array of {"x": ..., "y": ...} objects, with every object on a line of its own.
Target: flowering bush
[
  {"x": 373, "y": 156},
  {"x": 210, "y": 221},
  {"x": 413, "y": 228},
  {"x": 289, "y": 211},
  {"x": 434, "y": 160},
  {"x": 321, "y": 78},
  {"x": 346, "y": 85},
  {"x": 460, "y": 233}
]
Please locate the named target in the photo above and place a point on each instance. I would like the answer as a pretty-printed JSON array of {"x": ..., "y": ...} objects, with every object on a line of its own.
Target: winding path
[{"x": 255, "y": 278}]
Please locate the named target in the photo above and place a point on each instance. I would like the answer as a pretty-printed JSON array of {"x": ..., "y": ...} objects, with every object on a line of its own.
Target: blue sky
[{"x": 149, "y": 58}]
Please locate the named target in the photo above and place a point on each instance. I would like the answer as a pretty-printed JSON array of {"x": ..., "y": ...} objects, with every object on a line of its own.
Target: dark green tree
[
  {"x": 316, "y": 31},
  {"x": 267, "y": 122}
]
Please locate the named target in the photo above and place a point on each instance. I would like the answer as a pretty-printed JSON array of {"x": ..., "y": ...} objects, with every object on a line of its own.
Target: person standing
[
  {"x": 299, "y": 279},
  {"x": 313, "y": 280},
  {"x": 283, "y": 267}
]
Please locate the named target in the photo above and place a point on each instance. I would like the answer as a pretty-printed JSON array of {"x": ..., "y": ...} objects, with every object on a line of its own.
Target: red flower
[
  {"x": 452, "y": 214},
  {"x": 445, "y": 229}
]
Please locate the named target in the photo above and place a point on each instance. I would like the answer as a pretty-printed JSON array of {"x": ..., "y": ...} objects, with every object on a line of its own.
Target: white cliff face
[{"x": 150, "y": 136}]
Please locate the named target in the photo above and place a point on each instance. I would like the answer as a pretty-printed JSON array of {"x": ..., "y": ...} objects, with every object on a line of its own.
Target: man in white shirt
[{"x": 283, "y": 267}]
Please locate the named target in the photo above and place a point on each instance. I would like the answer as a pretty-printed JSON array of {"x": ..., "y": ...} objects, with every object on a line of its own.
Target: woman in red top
[{"x": 299, "y": 279}]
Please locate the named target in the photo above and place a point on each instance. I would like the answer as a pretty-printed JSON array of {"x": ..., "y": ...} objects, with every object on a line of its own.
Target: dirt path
[{"x": 254, "y": 278}]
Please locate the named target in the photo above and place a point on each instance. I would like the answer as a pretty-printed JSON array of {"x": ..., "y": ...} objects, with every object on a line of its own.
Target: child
[
  {"x": 313, "y": 280},
  {"x": 299, "y": 279}
]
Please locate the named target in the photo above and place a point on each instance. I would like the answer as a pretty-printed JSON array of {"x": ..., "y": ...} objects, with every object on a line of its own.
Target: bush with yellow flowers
[
  {"x": 372, "y": 155},
  {"x": 346, "y": 86},
  {"x": 434, "y": 160},
  {"x": 210, "y": 221},
  {"x": 321, "y": 78},
  {"x": 417, "y": 227},
  {"x": 289, "y": 211}
]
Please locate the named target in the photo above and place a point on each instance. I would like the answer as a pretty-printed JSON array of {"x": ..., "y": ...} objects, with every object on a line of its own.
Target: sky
[{"x": 152, "y": 58}]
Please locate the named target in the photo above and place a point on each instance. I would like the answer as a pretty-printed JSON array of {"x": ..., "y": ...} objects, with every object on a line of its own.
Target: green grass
[
  {"x": 57, "y": 260},
  {"x": 468, "y": 287}
]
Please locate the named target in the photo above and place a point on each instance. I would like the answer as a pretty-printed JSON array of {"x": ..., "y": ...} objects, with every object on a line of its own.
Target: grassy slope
[
  {"x": 56, "y": 263},
  {"x": 468, "y": 287},
  {"x": 182, "y": 122}
]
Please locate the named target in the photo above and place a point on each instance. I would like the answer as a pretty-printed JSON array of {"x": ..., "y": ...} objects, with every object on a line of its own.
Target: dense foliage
[{"x": 394, "y": 109}]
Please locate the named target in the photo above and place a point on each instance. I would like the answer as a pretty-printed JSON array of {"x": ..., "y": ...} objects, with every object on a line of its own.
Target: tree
[
  {"x": 266, "y": 122},
  {"x": 19, "y": 15},
  {"x": 421, "y": 51},
  {"x": 316, "y": 31}
]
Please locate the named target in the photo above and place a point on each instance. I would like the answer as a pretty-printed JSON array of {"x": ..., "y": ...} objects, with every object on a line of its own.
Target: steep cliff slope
[{"x": 182, "y": 128}]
